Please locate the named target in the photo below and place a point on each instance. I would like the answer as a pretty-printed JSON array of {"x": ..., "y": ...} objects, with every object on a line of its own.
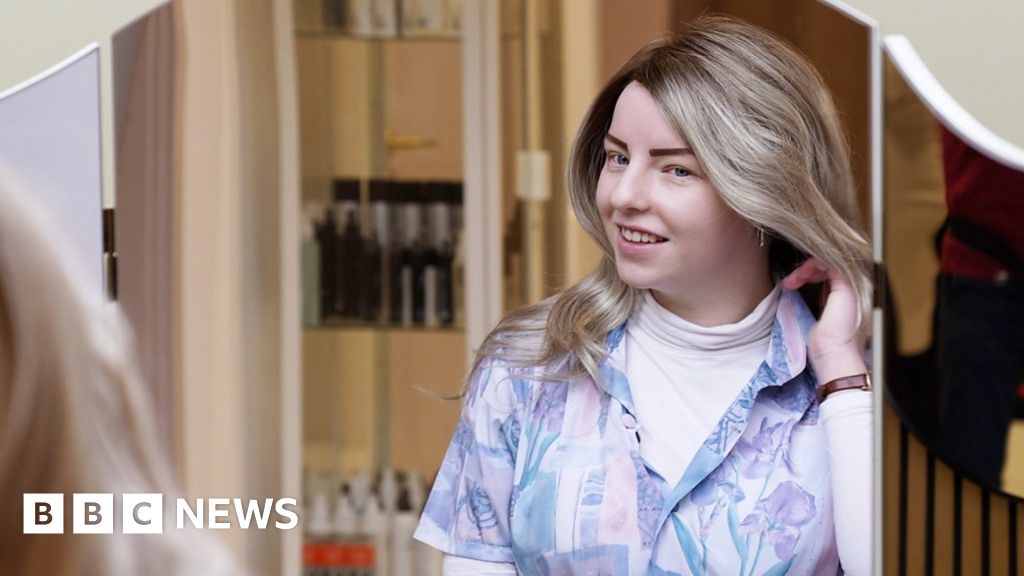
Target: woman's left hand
[{"x": 834, "y": 344}]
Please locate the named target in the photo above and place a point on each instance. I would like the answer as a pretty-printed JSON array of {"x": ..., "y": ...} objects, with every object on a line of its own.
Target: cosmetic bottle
[
  {"x": 360, "y": 17},
  {"x": 458, "y": 274},
  {"x": 388, "y": 489},
  {"x": 385, "y": 18},
  {"x": 458, "y": 256},
  {"x": 326, "y": 236},
  {"x": 445, "y": 299},
  {"x": 370, "y": 279},
  {"x": 430, "y": 303},
  {"x": 351, "y": 257},
  {"x": 374, "y": 527},
  {"x": 345, "y": 526},
  {"x": 404, "y": 525},
  {"x": 397, "y": 257},
  {"x": 420, "y": 247},
  {"x": 412, "y": 264},
  {"x": 318, "y": 523},
  {"x": 342, "y": 261},
  {"x": 333, "y": 545},
  {"x": 388, "y": 492},
  {"x": 422, "y": 17},
  {"x": 441, "y": 253},
  {"x": 334, "y": 15},
  {"x": 365, "y": 515},
  {"x": 310, "y": 268},
  {"x": 453, "y": 17},
  {"x": 380, "y": 209},
  {"x": 359, "y": 493}
]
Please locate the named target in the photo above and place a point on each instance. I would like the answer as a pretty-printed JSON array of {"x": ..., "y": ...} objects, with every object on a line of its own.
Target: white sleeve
[
  {"x": 848, "y": 428},
  {"x": 459, "y": 566}
]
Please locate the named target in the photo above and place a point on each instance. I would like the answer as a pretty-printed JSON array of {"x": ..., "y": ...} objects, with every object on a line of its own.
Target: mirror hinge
[
  {"x": 880, "y": 285},
  {"x": 109, "y": 254}
]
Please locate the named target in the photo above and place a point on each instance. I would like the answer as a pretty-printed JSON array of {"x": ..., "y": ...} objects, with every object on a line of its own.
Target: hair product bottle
[
  {"x": 310, "y": 268},
  {"x": 420, "y": 247},
  {"x": 381, "y": 214},
  {"x": 350, "y": 257},
  {"x": 327, "y": 237},
  {"x": 398, "y": 256},
  {"x": 411, "y": 260},
  {"x": 402, "y": 543}
]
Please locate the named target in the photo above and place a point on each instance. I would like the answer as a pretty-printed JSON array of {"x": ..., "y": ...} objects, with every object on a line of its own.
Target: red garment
[{"x": 987, "y": 194}]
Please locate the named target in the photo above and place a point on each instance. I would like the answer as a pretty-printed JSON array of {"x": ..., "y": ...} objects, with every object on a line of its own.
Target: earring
[{"x": 760, "y": 236}]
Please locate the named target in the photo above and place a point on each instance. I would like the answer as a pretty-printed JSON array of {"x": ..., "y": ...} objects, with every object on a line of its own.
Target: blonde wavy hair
[
  {"x": 763, "y": 126},
  {"x": 74, "y": 415}
]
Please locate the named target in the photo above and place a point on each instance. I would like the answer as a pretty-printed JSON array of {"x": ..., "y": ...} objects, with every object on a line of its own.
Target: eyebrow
[{"x": 654, "y": 152}]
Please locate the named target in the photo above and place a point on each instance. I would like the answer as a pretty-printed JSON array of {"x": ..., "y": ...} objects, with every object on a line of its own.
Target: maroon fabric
[{"x": 987, "y": 194}]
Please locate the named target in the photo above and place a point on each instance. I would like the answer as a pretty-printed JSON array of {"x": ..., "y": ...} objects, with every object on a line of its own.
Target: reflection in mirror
[{"x": 954, "y": 200}]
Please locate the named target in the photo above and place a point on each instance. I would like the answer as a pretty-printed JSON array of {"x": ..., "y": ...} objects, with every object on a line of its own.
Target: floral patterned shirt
[{"x": 549, "y": 475}]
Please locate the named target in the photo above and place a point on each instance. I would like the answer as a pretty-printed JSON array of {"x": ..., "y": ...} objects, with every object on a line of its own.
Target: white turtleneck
[{"x": 690, "y": 374}]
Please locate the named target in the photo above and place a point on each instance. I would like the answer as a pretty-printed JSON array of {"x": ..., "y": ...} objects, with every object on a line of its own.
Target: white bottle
[
  {"x": 402, "y": 544},
  {"x": 360, "y": 17},
  {"x": 375, "y": 527},
  {"x": 358, "y": 492},
  {"x": 414, "y": 484},
  {"x": 388, "y": 492},
  {"x": 345, "y": 521},
  {"x": 318, "y": 527},
  {"x": 388, "y": 502}
]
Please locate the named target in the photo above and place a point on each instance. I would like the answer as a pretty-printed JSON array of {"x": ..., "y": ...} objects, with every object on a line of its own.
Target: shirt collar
[{"x": 785, "y": 359}]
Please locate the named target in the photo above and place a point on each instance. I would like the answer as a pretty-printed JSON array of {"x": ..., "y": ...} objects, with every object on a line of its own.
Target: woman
[
  {"x": 663, "y": 414},
  {"x": 74, "y": 415}
]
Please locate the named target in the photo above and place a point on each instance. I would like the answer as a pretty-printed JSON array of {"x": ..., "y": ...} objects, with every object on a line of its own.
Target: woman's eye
[
  {"x": 616, "y": 158},
  {"x": 680, "y": 172}
]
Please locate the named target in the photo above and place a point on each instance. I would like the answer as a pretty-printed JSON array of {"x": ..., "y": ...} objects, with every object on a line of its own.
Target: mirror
[
  {"x": 50, "y": 143},
  {"x": 954, "y": 239}
]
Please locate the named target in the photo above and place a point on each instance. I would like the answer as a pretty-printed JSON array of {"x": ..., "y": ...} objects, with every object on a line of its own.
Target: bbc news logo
[{"x": 144, "y": 513}]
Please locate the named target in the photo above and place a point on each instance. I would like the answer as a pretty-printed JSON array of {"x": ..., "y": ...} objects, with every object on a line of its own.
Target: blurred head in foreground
[{"x": 74, "y": 415}]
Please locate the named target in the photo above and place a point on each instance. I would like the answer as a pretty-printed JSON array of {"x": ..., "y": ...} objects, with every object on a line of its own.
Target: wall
[
  {"x": 38, "y": 34},
  {"x": 975, "y": 50}
]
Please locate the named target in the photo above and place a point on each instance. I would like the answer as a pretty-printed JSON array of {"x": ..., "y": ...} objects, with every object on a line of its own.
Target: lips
[{"x": 639, "y": 236}]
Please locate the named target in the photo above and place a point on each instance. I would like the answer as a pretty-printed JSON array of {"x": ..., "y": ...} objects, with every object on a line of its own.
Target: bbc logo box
[
  {"x": 43, "y": 514},
  {"x": 92, "y": 514}
]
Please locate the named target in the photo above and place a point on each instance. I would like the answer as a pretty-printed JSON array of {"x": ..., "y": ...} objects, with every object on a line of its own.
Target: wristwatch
[{"x": 857, "y": 381}]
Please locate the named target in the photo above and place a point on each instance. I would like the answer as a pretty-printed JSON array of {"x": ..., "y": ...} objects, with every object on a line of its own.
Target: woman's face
[{"x": 669, "y": 227}]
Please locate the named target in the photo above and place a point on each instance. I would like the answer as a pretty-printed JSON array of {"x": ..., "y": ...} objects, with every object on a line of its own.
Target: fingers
[{"x": 812, "y": 271}]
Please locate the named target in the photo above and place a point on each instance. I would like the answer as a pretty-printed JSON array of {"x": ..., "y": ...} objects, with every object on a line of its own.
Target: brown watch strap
[{"x": 857, "y": 381}]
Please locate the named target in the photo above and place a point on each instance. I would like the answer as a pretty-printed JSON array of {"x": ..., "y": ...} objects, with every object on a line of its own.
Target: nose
[{"x": 631, "y": 192}]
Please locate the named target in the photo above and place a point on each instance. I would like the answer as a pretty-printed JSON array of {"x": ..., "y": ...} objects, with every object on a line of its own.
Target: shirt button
[{"x": 629, "y": 421}]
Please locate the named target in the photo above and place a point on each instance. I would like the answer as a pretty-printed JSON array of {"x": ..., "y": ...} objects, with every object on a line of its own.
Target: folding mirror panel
[
  {"x": 953, "y": 236},
  {"x": 954, "y": 223}
]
